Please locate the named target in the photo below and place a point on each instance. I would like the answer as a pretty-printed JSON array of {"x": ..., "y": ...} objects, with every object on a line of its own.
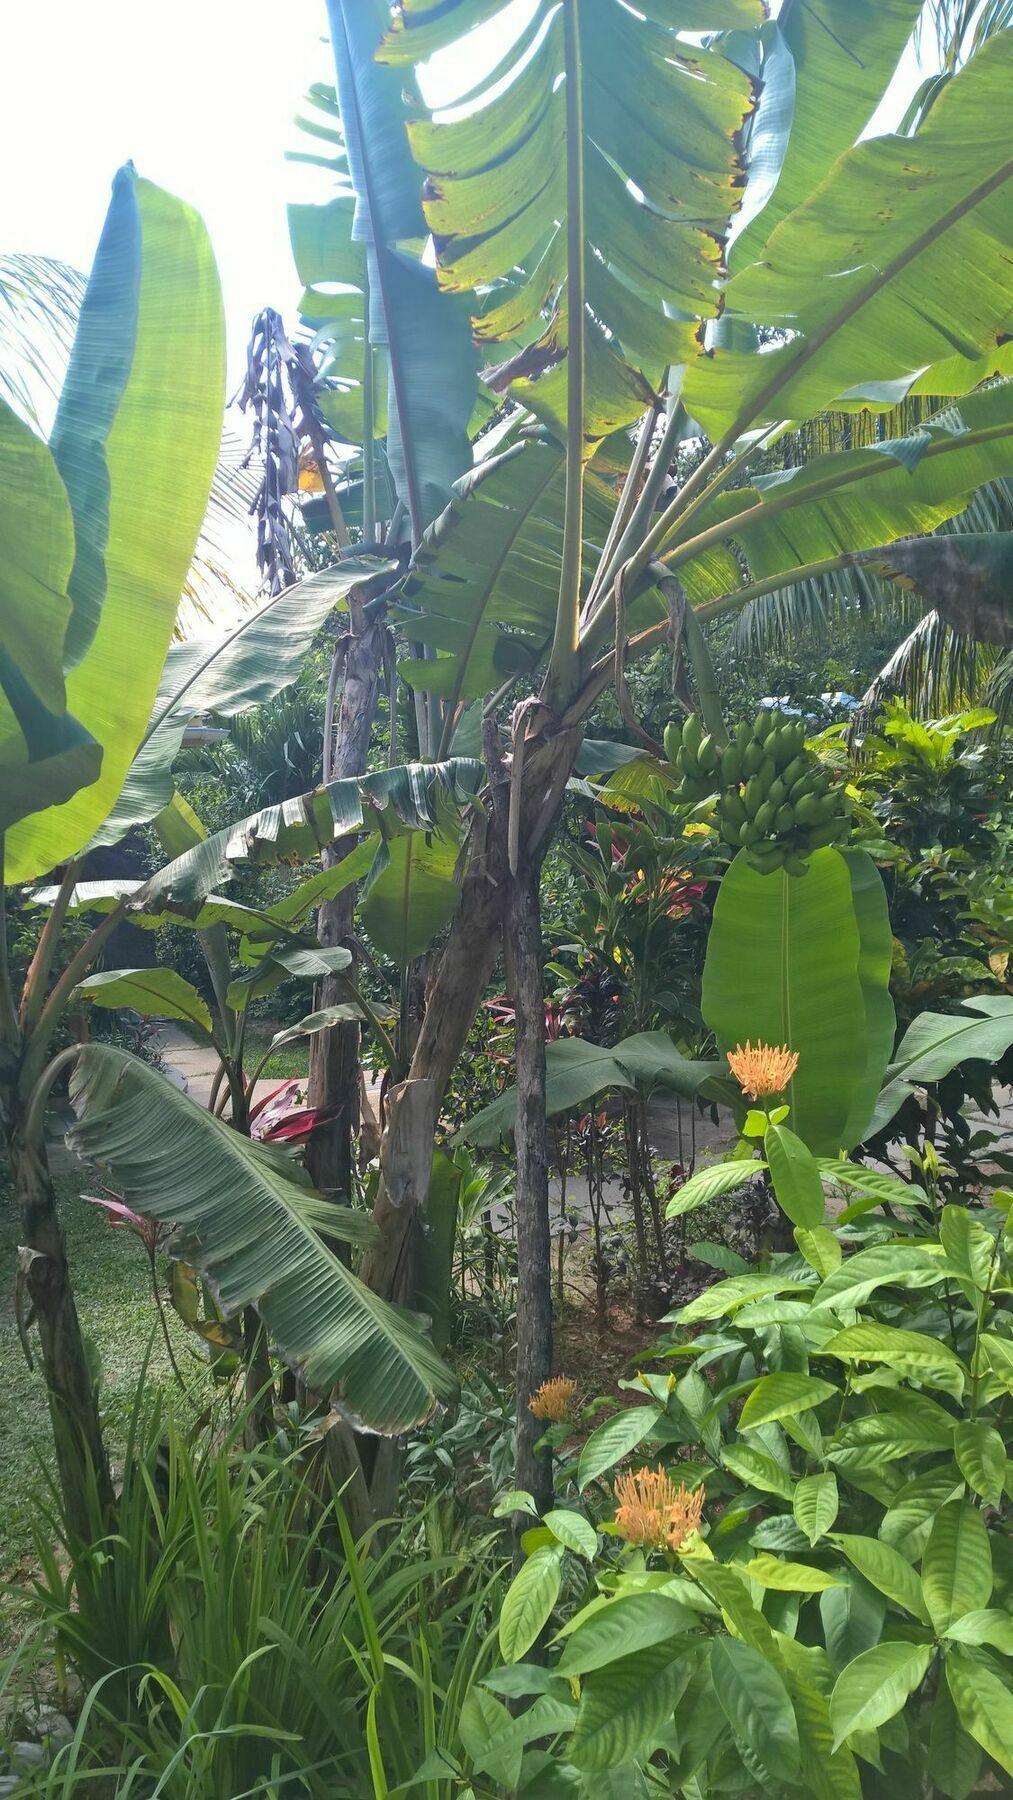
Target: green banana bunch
[{"x": 775, "y": 798}]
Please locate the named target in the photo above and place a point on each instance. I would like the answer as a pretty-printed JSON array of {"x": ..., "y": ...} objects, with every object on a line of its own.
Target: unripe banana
[
  {"x": 707, "y": 755},
  {"x": 766, "y": 773},
  {"x": 777, "y": 792},
  {"x": 752, "y": 757},
  {"x": 765, "y": 818},
  {"x": 807, "y": 810},
  {"x": 742, "y": 737},
  {"x": 683, "y": 760},
  {"x": 732, "y": 807},
  {"x": 750, "y": 833},
  {"x": 795, "y": 771},
  {"x": 672, "y": 740},
  {"x": 795, "y": 863},
  {"x": 692, "y": 734},
  {"x": 785, "y": 820},
  {"x": 804, "y": 785},
  {"x": 763, "y": 724},
  {"x": 753, "y": 796},
  {"x": 824, "y": 834},
  {"x": 767, "y": 858},
  {"x": 731, "y": 762}
]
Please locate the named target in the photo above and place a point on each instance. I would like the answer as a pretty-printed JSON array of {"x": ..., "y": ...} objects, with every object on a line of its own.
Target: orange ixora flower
[
  {"x": 762, "y": 1070},
  {"x": 553, "y": 1399},
  {"x": 654, "y": 1512}
]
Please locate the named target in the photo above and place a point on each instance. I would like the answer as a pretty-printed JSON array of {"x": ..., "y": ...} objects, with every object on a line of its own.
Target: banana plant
[
  {"x": 98, "y": 526},
  {"x": 669, "y": 232}
]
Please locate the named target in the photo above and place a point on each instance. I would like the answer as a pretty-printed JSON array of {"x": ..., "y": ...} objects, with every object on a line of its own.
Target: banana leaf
[{"x": 248, "y": 1221}]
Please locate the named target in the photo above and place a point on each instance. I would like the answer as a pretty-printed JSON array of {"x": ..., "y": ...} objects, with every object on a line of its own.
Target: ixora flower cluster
[
  {"x": 762, "y": 1070},
  {"x": 553, "y": 1399},
  {"x": 777, "y": 802},
  {"x": 653, "y": 1512}
]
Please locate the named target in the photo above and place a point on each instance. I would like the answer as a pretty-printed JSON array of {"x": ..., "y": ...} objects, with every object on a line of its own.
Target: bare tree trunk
[
  {"x": 73, "y": 1397},
  {"x": 534, "y": 1274},
  {"x": 334, "y": 1054}
]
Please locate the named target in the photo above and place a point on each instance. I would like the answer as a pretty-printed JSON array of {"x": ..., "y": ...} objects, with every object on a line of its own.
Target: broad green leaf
[
  {"x": 528, "y": 1602},
  {"x": 954, "y": 1757},
  {"x": 712, "y": 1183},
  {"x": 757, "y": 1705},
  {"x": 631, "y": 1622},
  {"x": 895, "y": 219},
  {"x": 908, "y": 1520},
  {"x": 625, "y": 1706},
  {"x": 983, "y": 1702},
  {"x": 873, "y": 1182},
  {"x": 983, "y": 1626},
  {"x": 757, "y": 1469},
  {"x": 852, "y": 1618},
  {"x": 413, "y": 897},
  {"x": 981, "y": 1458},
  {"x": 46, "y": 755},
  {"x": 935, "y": 1043},
  {"x": 886, "y": 1569},
  {"x": 573, "y": 1530},
  {"x": 496, "y": 198},
  {"x": 727, "y": 1296},
  {"x": 515, "y": 1500},
  {"x": 853, "y": 503},
  {"x": 815, "y": 1504},
  {"x": 431, "y": 361},
  {"x": 821, "y": 1249},
  {"x": 782, "y": 1395},
  {"x": 782, "y": 967},
  {"x": 157, "y": 993},
  {"x": 405, "y": 798},
  {"x": 797, "y": 1185},
  {"x": 314, "y": 1022},
  {"x": 910, "y": 1351},
  {"x": 957, "y": 1564},
  {"x": 305, "y": 963},
  {"x": 900, "y": 1265},
  {"x": 576, "y": 1071},
  {"x": 484, "y": 582},
  {"x": 789, "y": 1577},
  {"x": 826, "y": 1775},
  {"x": 874, "y": 1687},
  {"x": 723, "y": 1584},
  {"x": 850, "y": 54},
  {"x": 875, "y": 958},
  {"x": 613, "y": 1440},
  {"x": 968, "y": 1245},
  {"x": 228, "y": 673},
  {"x": 139, "y": 471},
  {"x": 242, "y": 1211}
]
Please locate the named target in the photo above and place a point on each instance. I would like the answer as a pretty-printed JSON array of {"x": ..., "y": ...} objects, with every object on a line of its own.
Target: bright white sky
[{"x": 201, "y": 94}]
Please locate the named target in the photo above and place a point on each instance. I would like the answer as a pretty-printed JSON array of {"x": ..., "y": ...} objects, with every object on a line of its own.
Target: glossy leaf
[
  {"x": 886, "y": 1570},
  {"x": 577, "y": 1071},
  {"x": 529, "y": 1601},
  {"x": 412, "y": 897},
  {"x": 852, "y": 1618},
  {"x": 573, "y": 1531},
  {"x": 757, "y": 1469},
  {"x": 983, "y": 1702},
  {"x": 957, "y": 1564},
  {"x": 875, "y": 960},
  {"x": 815, "y": 1504},
  {"x": 613, "y": 1440},
  {"x": 714, "y": 1182},
  {"x": 954, "y": 1757},
  {"x": 981, "y": 1458},
  {"x": 782, "y": 967},
  {"x": 786, "y": 1577},
  {"x": 757, "y": 1705},
  {"x": 624, "y": 1625},
  {"x": 910, "y": 1351},
  {"x": 874, "y": 1687},
  {"x": 624, "y": 1707},
  {"x": 782, "y": 1395},
  {"x": 935, "y": 1043},
  {"x": 797, "y": 1185},
  {"x": 820, "y": 1248}
]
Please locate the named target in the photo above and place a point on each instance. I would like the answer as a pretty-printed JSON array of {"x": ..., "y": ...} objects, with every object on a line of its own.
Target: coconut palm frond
[
  {"x": 935, "y": 670},
  {"x": 39, "y": 302}
]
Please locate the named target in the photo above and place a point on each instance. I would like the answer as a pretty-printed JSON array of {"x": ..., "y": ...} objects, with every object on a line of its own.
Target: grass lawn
[
  {"x": 113, "y": 1288},
  {"x": 282, "y": 1064}
]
